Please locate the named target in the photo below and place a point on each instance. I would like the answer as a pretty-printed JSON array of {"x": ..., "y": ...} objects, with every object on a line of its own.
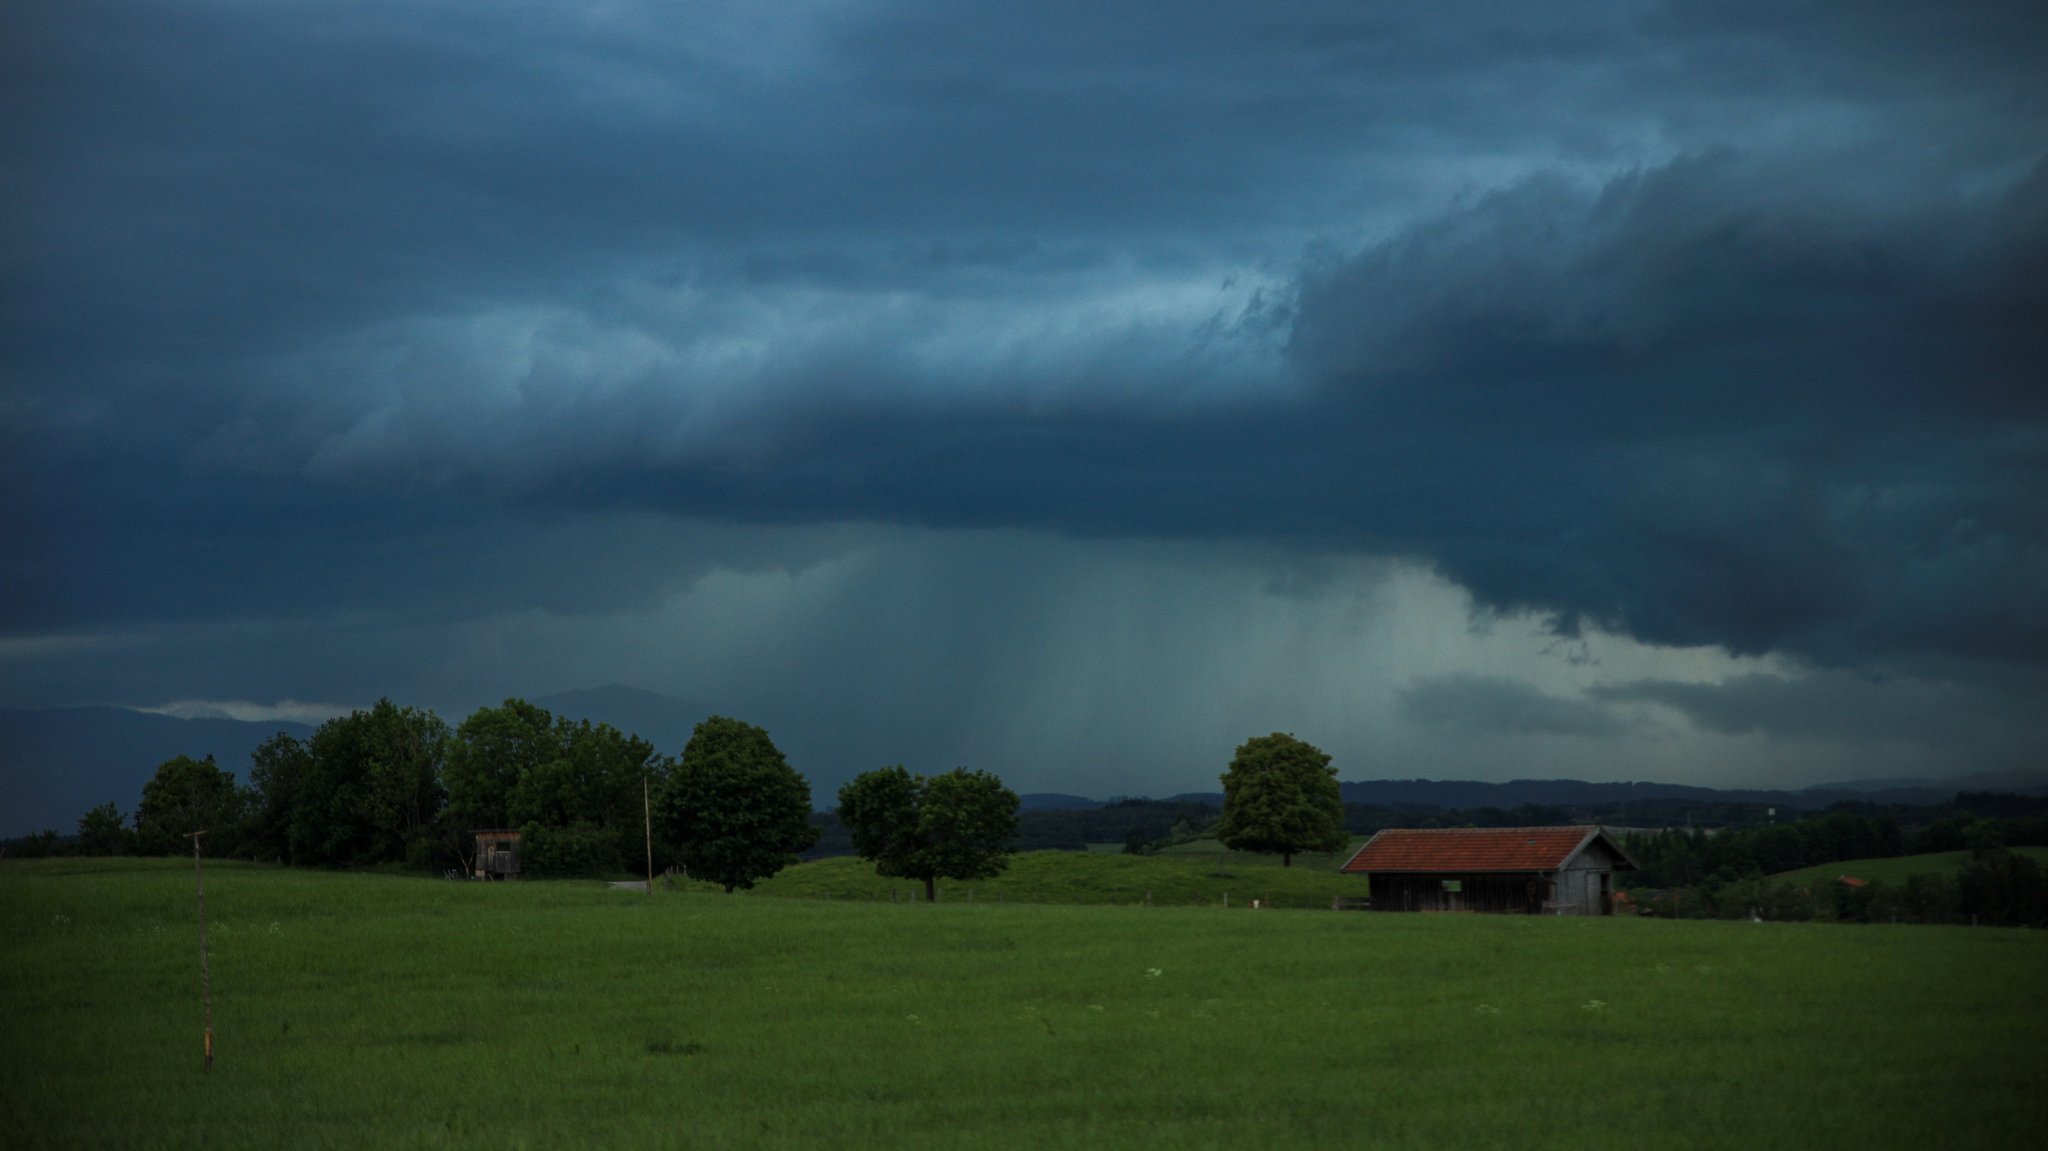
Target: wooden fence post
[{"x": 205, "y": 976}]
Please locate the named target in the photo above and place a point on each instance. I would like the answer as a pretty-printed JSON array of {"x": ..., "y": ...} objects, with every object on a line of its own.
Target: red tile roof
[{"x": 1473, "y": 849}]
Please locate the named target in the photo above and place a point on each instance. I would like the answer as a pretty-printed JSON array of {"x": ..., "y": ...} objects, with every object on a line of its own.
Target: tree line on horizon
[{"x": 396, "y": 786}]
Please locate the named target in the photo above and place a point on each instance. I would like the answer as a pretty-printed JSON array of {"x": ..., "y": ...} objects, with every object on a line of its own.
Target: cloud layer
[{"x": 1709, "y": 326}]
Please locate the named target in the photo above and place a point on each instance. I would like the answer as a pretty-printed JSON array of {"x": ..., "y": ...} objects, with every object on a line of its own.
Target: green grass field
[
  {"x": 1074, "y": 877},
  {"x": 1896, "y": 869},
  {"x": 356, "y": 1011},
  {"x": 1213, "y": 850}
]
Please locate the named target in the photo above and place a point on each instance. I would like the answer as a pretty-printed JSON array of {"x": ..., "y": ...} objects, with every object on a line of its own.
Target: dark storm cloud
[
  {"x": 1498, "y": 705},
  {"x": 1719, "y": 401},
  {"x": 1989, "y": 722},
  {"x": 1712, "y": 325}
]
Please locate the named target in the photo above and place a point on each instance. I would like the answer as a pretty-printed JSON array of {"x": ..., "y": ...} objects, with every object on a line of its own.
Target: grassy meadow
[
  {"x": 355, "y": 1010},
  {"x": 1184, "y": 879}
]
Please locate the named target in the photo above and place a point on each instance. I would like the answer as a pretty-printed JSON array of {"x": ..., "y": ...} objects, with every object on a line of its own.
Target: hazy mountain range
[{"x": 55, "y": 763}]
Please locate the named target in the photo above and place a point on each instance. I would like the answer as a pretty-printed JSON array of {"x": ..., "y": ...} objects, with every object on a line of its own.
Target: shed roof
[{"x": 1468, "y": 849}]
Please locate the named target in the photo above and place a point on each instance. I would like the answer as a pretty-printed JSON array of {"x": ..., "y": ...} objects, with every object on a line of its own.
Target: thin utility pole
[
  {"x": 205, "y": 976},
  {"x": 647, "y": 824}
]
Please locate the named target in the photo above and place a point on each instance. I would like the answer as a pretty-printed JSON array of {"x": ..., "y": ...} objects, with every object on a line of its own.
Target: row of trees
[
  {"x": 394, "y": 785},
  {"x": 1994, "y": 886},
  {"x": 366, "y": 788},
  {"x": 1679, "y": 858}
]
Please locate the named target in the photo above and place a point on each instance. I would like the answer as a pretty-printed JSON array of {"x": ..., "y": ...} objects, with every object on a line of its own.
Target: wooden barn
[
  {"x": 497, "y": 854},
  {"x": 1523, "y": 870}
]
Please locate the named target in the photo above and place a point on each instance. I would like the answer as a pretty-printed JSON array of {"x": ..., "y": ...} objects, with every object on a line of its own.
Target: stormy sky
[{"x": 1613, "y": 390}]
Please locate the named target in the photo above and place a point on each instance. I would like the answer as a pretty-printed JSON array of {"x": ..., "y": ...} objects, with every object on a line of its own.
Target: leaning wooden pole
[
  {"x": 647, "y": 824},
  {"x": 205, "y": 976}
]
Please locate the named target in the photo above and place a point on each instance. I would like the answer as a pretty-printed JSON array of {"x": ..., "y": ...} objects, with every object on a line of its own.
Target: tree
[
  {"x": 100, "y": 832},
  {"x": 736, "y": 809},
  {"x": 187, "y": 795},
  {"x": 278, "y": 769},
  {"x": 373, "y": 788},
  {"x": 2004, "y": 888},
  {"x": 487, "y": 756},
  {"x": 960, "y": 825},
  {"x": 571, "y": 787},
  {"x": 592, "y": 788},
  {"x": 1280, "y": 796}
]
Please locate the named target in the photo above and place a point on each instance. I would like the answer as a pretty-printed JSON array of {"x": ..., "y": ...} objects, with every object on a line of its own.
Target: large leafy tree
[
  {"x": 278, "y": 770},
  {"x": 489, "y": 753},
  {"x": 579, "y": 813},
  {"x": 734, "y": 808},
  {"x": 1280, "y": 797},
  {"x": 571, "y": 787},
  {"x": 373, "y": 788},
  {"x": 959, "y": 825},
  {"x": 187, "y": 795}
]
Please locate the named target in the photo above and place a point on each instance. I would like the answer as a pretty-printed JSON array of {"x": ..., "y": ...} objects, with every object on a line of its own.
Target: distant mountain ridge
[
  {"x": 1451, "y": 794},
  {"x": 1056, "y": 801},
  {"x": 58, "y": 763}
]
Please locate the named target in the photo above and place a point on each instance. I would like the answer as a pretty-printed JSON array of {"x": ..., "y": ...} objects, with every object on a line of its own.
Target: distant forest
[{"x": 1155, "y": 821}]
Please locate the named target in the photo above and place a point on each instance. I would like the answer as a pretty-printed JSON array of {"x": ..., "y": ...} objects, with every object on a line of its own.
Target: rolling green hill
[
  {"x": 1213, "y": 849},
  {"x": 1178, "y": 879},
  {"x": 1895, "y": 869}
]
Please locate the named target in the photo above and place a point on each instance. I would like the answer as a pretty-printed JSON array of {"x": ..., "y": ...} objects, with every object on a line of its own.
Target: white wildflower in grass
[
  {"x": 1153, "y": 973},
  {"x": 1593, "y": 1005}
]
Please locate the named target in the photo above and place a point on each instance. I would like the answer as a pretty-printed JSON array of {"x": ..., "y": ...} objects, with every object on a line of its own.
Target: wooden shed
[
  {"x": 497, "y": 854},
  {"x": 1526, "y": 870}
]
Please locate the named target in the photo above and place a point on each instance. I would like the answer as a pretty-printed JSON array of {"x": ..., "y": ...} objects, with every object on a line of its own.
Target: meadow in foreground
[{"x": 357, "y": 1010}]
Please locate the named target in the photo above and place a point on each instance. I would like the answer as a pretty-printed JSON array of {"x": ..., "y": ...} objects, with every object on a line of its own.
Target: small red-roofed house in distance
[{"x": 1528, "y": 870}]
